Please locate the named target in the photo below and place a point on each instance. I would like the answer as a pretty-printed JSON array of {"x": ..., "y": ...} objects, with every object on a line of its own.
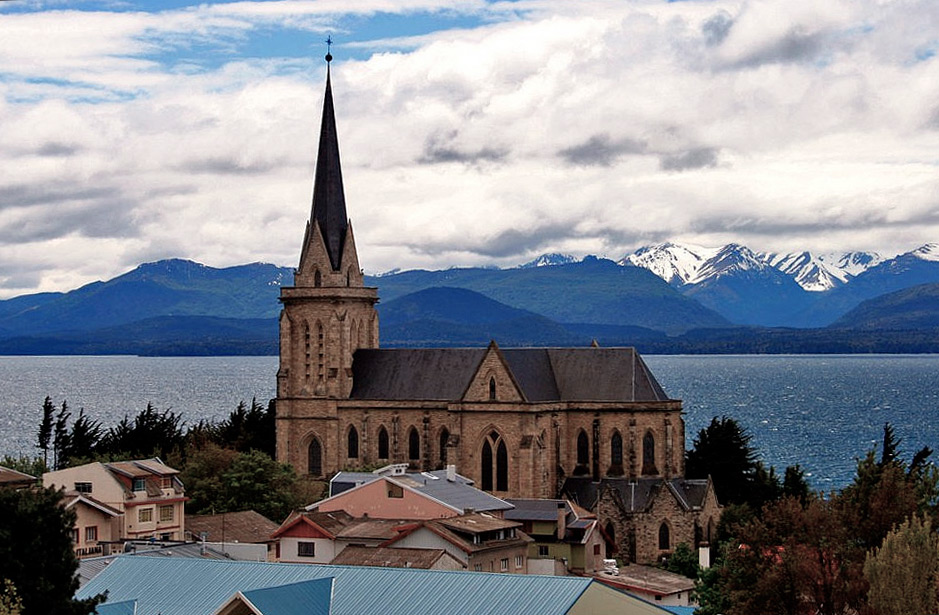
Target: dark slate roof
[
  {"x": 329, "y": 201},
  {"x": 246, "y": 526},
  {"x": 543, "y": 374},
  {"x": 535, "y": 510},
  {"x": 637, "y": 495}
]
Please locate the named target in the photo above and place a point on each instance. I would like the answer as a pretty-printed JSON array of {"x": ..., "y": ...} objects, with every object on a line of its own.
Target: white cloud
[{"x": 589, "y": 127}]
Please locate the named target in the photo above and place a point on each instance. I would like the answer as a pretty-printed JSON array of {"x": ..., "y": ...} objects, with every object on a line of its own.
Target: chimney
[
  {"x": 562, "y": 519},
  {"x": 451, "y": 473}
]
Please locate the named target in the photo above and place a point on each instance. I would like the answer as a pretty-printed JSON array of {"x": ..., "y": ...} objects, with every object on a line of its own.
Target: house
[
  {"x": 97, "y": 526},
  {"x": 303, "y": 598},
  {"x": 146, "y": 493},
  {"x": 567, "y": 538},
  {"x": 652, "y": 584},
  {"x": 393, "y": 493},
  {"x": 202, "y": 587},
  {"x": 479, "y": 541},
  {"x": 241, "y": 535},
  {"x": 14, "y": 479},
  {"x": 397, "y": 557}
]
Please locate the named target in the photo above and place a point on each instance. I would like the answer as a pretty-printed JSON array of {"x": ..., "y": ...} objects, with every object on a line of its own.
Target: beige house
[
  {"x": 147, "y": 495},
  {"x": 97, "y": 525}
]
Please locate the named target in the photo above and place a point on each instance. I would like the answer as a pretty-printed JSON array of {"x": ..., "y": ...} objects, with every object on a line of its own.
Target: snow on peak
[
  {"x": 731, "y": 258},
  {"x": 928, "y": 252},
  {"x": 675, "y": 263},
  {"x": 548, "y": 260}
]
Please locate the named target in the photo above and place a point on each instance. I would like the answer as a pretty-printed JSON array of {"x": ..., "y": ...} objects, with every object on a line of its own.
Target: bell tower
[{"x": 327, "y": 314}]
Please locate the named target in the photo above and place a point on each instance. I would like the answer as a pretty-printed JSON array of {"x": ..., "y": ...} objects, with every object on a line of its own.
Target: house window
[
  {"x": 306, "y": 549},
  {"x": 542, "y": 550},
  {"x": 478, "y": 567},
  {"x": 166, "y": 512},
  {"x": 166, "y": 537},
  {"x": 166, "y": 482},
  {"x": 140, "y": 484},
  {"x": 383, "y": 443},
  {"x": 353, "y": 442},
  {"x": 74, "y": 535},
  {"x": 596, "y": 549},
  {"x": 144, "y": 515},
  {"x": 395, "y": 491},
  {"x": 83, "y": 487},
  {"x": 91, "y": 533},
  {"x": 519, "y": 561},
  {"x": 504, "y": 564}
]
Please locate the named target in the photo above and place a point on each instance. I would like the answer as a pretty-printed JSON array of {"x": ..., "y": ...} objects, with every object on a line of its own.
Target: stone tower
[{"x": 327, "y": 314}]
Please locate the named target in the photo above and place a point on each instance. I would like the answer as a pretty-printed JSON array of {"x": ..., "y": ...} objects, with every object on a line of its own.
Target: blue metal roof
[
  {"x": 304, "y": 598},
  {"x": 127, "y": 607},
  {"x": 198, "y": 587}
]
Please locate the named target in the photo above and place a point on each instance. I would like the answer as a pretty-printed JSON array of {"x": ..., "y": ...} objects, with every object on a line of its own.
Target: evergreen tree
[
  {"x": 903, "y": 573},
  {"x": 45, "y": 429},
  {"x": 61, "y": 436},
  {"x": 36, "y": 552}
]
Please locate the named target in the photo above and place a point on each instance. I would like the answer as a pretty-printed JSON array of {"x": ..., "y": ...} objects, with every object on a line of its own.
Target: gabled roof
[
  {"x": 458, "y": 494},
  {"x": 303, "y": 598},
  {"x": 527, "y": 509},
  {"x": 9, "y": 476},
  {"x": 637, "y": 495},
  {"x": 127, "y": 607},
  {"x": 454, "y": 533},
  {"x": 328, "y": 523},
  {"x": 141, "y": 468},
  {"x": 76, "y": 498},
  {"x": 389, "y": 557},
  {"x": 201, "y": 586},
  {"x": 246, "y": 526},
  {"x": 542, "y": 374}
]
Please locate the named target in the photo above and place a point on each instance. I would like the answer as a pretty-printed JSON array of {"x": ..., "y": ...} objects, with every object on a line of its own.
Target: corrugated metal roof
[
  {"x": 198, "y": 587},
  {"x": 128, "y": 607},
  {"x": 304, "y": 598}
]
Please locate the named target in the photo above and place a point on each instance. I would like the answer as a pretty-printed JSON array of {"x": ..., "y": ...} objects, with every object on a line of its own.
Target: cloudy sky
[{"x": 472, "y": 132}]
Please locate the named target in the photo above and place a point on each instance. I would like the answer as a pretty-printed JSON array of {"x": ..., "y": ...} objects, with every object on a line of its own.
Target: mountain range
[{"x": 662, "y": 298}]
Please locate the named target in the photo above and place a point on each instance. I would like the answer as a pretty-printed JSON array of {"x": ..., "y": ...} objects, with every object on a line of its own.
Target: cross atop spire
[{"x": 329, "y": 43}]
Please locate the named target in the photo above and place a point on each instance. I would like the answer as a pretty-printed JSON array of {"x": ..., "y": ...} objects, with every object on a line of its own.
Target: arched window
[
  {"x": 610, "y": 537},
  {"x": 444, "y": 439},
  {"x": 502, "y": 467},
  {"x": 414, "y": 445},
  {"x": 583, "y": 448},
  {"x": 492, "y": 388},
  {"x": 616, "y": 449},
  {"x": 317, "y": 278},
  {"x": 664, "y": 537},
  {"x": 353, "y": 442},
  {"x": 315, "y": 458},
  {"x": 648, "y": 454},
  {"x": 382, "y": 443},
  {"x": 486, "y": 463},
  {"x": 493, "y": 443},
  {"x": 348, "y": 277}
]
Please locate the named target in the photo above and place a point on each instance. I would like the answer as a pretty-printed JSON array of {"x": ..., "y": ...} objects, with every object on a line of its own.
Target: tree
[
  {"x": 60, "y": 439},
  {"x": 10, "y": 603},
  {"x": 904, "y": 571},
  {"x": 44, "y": 435},
  {"x": 36, "y": 552},
  {"x": 683, "y": 561},
  {"x": 150, "y": 433}
]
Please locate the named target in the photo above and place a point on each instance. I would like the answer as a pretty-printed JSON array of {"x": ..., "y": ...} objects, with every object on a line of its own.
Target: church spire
[{"x": 329, "y": 202}]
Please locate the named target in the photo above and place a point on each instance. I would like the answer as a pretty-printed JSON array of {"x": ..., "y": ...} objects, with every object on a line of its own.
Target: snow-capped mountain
[
  {"x": 928, "y": 252},
  {"x": 732, "y": 258},
  {"x": 547, "y": 260},
  {"x": 821, "y": 272},
  {"x": 677, "y": 264}
]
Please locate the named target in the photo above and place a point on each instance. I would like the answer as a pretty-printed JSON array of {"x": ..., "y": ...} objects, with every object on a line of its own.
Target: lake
[{"x": 820, "y": 411}]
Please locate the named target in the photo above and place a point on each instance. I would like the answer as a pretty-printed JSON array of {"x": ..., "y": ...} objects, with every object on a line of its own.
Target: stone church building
[{"x": 520, "y": 422}]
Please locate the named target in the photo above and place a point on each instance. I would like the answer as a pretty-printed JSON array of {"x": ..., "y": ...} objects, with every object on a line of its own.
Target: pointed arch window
[
  {"x": 492, "y": 388},
  {"x": 494, "y": 469},
  {"x": 583, "y": 448},
  {"x": 444, "y": 440},
  {"x": 414, "y": 445},
  {"x": 616, "y": 449},
  {"x": 382, "y": 443},
  {"x": 648, "y": 454},
  {"x": 315, "y": 458},
  {"x": 353, "y": 442},
  {"x": 664, "y": 538},
  {"x": 317, "y": 278}
]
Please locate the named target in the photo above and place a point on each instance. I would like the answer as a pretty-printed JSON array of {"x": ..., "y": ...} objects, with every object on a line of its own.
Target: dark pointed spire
[{"x": 329, "y": 201}]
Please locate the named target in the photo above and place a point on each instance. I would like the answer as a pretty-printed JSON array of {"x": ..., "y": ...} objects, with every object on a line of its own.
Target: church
[{"x": 520, "y": 422}]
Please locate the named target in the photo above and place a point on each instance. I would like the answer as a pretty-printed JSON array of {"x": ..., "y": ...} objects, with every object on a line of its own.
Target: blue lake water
[{"x": 820, "y": 411}]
